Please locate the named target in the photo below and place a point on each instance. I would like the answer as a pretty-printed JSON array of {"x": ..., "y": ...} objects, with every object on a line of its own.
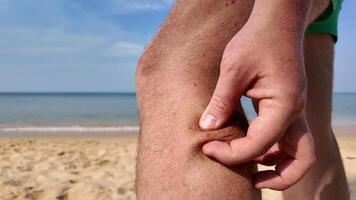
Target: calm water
[
  {"x": 68, "y": 112},
  {"x": 107, "y": 112}
]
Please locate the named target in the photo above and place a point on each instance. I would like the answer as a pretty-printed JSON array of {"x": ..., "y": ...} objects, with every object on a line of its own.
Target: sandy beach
[{"x": 92, "y": 168}]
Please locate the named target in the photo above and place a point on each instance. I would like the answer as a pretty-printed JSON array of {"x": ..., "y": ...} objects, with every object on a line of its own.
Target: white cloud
[
  {"x": 50, "y": 36},
  {"x": 70, "y": 45},
  {"x": 124, "y": 49},
  {"x": 125, "y": 6},
  {"x": 26, "y": 48},
  {"x": 56, "y": 60}
]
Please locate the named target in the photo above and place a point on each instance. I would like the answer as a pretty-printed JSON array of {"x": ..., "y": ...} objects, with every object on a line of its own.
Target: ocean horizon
[{"x": 52, "y": 112}]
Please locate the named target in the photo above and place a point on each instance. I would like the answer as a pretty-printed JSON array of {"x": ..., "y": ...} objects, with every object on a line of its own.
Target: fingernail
[{"x": 208, "y": 122}]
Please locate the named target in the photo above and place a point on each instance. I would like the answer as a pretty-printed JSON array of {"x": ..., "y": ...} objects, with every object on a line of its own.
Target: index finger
[{"x": 263, "y": 133}]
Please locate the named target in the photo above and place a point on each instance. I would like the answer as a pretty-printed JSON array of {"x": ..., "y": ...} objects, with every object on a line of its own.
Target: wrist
[{"x": 283, "y": 18}]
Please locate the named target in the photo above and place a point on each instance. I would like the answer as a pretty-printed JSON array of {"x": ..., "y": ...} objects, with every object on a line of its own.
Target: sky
[{"x": 87, "y": 46}]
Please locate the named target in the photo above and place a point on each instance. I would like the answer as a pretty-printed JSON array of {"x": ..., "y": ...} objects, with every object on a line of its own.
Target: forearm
[{"x": 287, "y": 18}]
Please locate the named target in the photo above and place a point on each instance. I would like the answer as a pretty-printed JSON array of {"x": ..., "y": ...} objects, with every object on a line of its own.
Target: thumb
[{"x": 227, "y": 94}]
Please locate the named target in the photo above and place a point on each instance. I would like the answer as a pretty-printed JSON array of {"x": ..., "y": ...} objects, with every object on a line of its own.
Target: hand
[{"x": 268, "y": 68}]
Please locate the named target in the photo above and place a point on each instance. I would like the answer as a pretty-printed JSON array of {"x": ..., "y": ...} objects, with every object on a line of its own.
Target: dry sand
[
  {"x": 67, "y": 168},
  {"x": 90, "y": 168}
]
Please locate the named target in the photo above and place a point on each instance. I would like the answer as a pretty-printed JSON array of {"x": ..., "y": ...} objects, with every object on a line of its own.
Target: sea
[{"x": 52, "y": 113}]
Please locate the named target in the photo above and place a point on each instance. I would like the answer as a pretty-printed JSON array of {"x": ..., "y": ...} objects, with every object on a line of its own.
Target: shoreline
[
  {"x": 111, "y": 134},
  {"x": 68, "y": 135}
]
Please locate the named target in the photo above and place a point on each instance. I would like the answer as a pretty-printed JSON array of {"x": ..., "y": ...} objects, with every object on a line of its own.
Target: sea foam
[{"x": 71, "y": 129}]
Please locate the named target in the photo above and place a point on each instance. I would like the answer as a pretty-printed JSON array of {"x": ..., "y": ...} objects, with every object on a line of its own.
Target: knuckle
[
  {"x": 220, "y": 104},
  {"x": 229, "y": 65},
  {"x": 228, "y": 68}
]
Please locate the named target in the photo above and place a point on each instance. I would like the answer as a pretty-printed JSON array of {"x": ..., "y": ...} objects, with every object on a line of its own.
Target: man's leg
[
  {"x": 175, "y": 80},
  {"x": 326, "y": 179}
]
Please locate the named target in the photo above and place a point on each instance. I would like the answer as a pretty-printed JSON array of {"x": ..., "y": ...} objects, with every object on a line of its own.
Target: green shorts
[{"x": 327, "y": 22}]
